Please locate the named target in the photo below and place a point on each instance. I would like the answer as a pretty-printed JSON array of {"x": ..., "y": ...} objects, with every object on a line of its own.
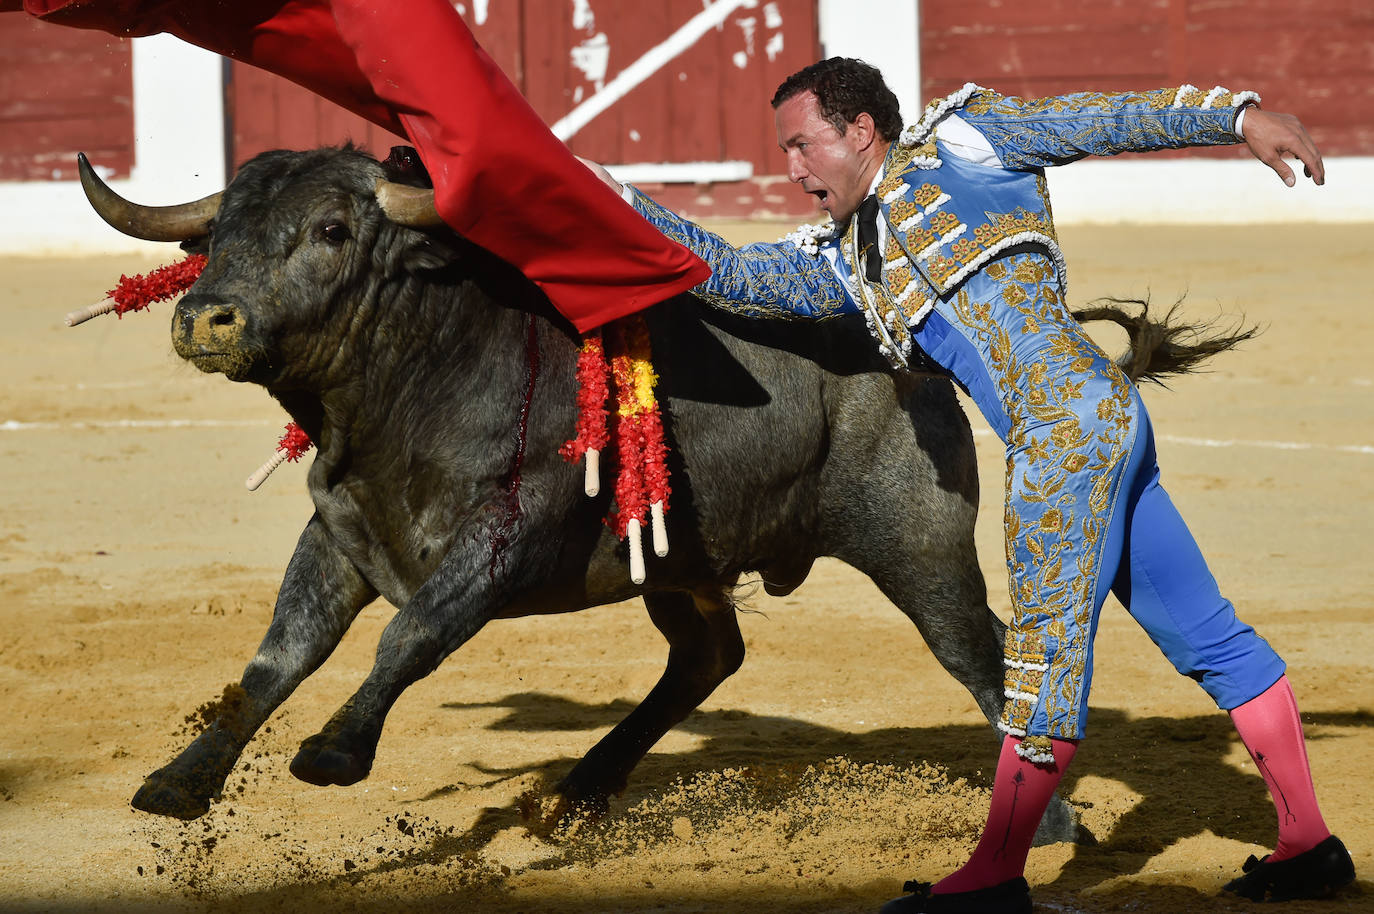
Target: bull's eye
[{"x": 335, "y": 233}]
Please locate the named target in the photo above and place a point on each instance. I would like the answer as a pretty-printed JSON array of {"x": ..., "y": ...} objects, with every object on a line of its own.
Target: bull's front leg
[
  {"x": 320, "y": 595},
  {"x": 463, "y": 594}
]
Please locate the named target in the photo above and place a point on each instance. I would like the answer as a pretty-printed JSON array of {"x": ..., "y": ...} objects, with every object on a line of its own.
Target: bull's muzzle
[{"x": 209, "y": 333}]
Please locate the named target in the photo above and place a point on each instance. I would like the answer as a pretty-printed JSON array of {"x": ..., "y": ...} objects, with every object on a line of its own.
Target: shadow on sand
[{"x": 1178, "y": 766}]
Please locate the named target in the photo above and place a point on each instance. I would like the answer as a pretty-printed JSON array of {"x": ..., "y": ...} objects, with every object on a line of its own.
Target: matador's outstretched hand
[{"x": 1274, "y": 137}]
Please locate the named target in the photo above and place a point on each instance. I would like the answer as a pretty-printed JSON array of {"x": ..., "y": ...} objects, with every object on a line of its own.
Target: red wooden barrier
[
  {"x": 62, "y": 91},
  {"x": 1312, "y": 58}
]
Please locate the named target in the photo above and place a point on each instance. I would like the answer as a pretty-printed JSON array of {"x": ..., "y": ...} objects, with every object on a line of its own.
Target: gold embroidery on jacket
[
  {"x": 899, "y": 159},
  {"x": 927, "y": 194},
  {"x": 902, "y": 210},
  {"x": 1000, "y": 229},
  {"x": 1193, "y": 98},
  {"x": 991, "y": 102}
]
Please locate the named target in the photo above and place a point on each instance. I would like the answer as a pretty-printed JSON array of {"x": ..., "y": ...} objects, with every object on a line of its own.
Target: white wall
[
  {"x": 884, "y": 33},
  {"x": 178, "y": 156},
  {"x": 1228, "y": 191}
]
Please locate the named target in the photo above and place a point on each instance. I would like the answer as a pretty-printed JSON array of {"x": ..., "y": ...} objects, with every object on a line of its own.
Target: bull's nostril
[{"x": 222, "y": 319}]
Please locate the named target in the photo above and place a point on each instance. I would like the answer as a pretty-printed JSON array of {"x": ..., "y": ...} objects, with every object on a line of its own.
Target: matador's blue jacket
[{"x": 946, "y": 216}]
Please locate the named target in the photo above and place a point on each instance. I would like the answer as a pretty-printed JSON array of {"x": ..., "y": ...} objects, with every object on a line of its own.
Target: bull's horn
[
  {"x": 406, "y": 205},
  {"x": 151, "y": 223}
]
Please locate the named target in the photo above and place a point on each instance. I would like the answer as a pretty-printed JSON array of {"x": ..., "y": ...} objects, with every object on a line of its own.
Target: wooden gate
[{"x": 623, "y": 81}]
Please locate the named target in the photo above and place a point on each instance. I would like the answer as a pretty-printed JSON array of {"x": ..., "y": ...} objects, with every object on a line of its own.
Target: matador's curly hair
[{"x": 846, "y": 88}]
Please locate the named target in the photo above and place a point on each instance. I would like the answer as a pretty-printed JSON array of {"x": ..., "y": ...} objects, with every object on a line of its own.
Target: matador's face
[{"x": 834, "y": 167}]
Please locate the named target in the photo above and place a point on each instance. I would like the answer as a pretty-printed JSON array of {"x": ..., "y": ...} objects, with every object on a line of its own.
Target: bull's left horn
[
  {"x": 406, "y": 205},
  {"x": 151, "y": 223}
]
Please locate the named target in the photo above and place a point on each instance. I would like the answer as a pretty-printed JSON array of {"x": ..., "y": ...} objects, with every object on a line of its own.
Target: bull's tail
[{"x": 1161, "y": 348}]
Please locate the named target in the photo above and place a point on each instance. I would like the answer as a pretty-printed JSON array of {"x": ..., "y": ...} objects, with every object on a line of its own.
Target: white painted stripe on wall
[
  {"x": 647, "y": 65},
  {"x": 682, "y": 172}
]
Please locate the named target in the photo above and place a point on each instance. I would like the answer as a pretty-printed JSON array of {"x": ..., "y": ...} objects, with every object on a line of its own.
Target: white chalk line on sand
[
  {"x": 93, "y": 385},
  {"x": 1310, "y": 380},
  {"x": 11, "y": 425},
  {"x": 1242, "y": 442},
  {"x": 1271, "y": 445}
]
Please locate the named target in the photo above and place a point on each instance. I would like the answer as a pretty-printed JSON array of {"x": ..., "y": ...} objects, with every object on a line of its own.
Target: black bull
[{"x": 438, "y": 405}]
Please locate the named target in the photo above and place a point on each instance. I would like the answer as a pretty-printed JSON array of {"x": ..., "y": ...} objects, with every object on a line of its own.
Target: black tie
[{"x": 868, "y": 238}]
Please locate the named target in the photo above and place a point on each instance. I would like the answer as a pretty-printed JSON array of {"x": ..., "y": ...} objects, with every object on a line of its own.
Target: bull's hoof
[
  {"x": 574, "y": 798},
  {"x": 168, "y": 798},
  {"x": 1061, "y": 825},
  {"x": 323, "y": 764},
  {"x": 593, "y": 809},
  {"x": 543, "y": 813}
]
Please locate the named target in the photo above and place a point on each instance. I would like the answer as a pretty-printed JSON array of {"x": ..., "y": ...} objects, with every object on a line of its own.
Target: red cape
[{"x": 500, "y": 177}]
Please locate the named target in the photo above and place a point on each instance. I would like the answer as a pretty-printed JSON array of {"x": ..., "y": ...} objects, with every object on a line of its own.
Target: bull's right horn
[
  {"x": 406, "y": 205},
  {"x": 151, "y": 223}
]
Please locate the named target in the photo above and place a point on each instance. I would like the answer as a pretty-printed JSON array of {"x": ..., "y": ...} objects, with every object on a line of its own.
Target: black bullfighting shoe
[
  {"x": 1315, "y": 873},
  {"x": 1010, "y": 897}
]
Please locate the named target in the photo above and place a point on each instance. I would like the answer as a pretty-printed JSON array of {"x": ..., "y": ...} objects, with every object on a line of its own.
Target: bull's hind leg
[
  {"x": 320, "y": 595},
  {"x": 905, "y": 497},
  {"x": 948, "y": 602},
  {"x": 704, "y": 648},
  {"x": 947, "y": 599},
  {"x": 941, "y": 589}
]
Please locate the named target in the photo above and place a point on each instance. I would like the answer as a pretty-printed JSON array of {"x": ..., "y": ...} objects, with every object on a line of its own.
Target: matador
[{"x": 942, "y": 238}]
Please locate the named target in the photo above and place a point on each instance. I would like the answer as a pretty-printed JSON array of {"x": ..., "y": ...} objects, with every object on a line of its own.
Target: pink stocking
[
  {"x": 1020, "y": 793},
  {"x": 1272, "y": 731}
]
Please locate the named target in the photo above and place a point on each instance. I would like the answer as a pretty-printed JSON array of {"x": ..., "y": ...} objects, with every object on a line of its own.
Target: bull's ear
[
  {"x": 427, "y": 252},
  {"x": 199, "y": 245}
]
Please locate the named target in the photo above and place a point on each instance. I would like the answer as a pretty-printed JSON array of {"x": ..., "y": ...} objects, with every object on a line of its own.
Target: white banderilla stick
[
  {"x": 81, "y": 315},
  {"x": 261, "y": 473},
  {"x": 636, "y": 551},
  {"x": 591, "y": 483},
  {"x": 660, "y": 529}
]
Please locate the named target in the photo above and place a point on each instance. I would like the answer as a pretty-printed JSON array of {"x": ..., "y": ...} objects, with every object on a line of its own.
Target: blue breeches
[{"x": 1085, "y": 513}]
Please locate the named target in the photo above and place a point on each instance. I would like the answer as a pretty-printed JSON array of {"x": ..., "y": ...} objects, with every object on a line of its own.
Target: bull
[{"x": 438, "y": 385}]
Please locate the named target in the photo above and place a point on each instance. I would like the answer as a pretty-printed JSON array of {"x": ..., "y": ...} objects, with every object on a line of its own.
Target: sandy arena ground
[{"x": 137, "y": 577}]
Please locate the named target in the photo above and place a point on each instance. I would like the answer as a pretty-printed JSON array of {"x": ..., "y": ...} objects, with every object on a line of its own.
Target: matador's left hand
[
  {"x": 1272, "y": 137},
  {"x": 600, "y": 171}
]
